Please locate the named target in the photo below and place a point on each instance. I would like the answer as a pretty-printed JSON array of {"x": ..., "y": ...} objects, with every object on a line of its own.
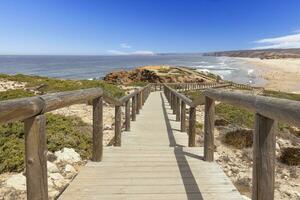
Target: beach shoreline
[{"x": 280, "y": 74}]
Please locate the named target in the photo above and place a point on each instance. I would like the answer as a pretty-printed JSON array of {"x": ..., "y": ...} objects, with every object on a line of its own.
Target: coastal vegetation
[
  {"x": 61, "y": 132},
  {"x": 48, "y": 85}
]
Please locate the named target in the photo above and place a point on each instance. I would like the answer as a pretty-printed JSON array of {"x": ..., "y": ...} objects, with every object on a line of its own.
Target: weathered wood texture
[
  {"x": 36, "y": 158},
  {"x": 63, "y": 99},
  {"x": 138, "y": 99},
  {"x": 20, "y": 109},
  {"x": 183, "y": 117},
  {"x": 192, "y": 127},
  {"x": 264, "y": 158},
  {"x": 178, "y": 109},
  {"x": 148, "y": 167},
  {"x": 209, "y": 120},
  {"x": 127, "y": 115},
  {"x": 274, "y": 108},
  {"x": 118, "y": 125},
  {"x": 133, "y": 108},
  {"x": 97, "y": 129}
]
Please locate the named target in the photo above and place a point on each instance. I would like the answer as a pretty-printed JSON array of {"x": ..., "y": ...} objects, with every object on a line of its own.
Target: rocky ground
[
  {"x": 237, "y": 163},
  {"x": 9, "y": 85},
  {"x": 62, "y": 168},
  {"x": 156, "y": 74}
]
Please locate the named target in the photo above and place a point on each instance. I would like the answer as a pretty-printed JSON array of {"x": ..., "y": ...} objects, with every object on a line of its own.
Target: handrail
[
  {"x": 268, "y": 111},
  {"x": 32, "y": 111},
  {"x": 284, "y": 110}
]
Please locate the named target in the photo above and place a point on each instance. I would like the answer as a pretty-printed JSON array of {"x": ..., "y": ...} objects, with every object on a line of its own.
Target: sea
[{"x": 96, "y": 67}]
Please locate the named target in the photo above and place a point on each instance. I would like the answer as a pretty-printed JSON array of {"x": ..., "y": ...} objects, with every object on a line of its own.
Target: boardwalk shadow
[{"x": 190, "y": 184}]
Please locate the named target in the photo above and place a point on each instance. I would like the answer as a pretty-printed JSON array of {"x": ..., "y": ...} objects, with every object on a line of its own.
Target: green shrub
[
  {"x": 15, "y": 94},
  {"x": 60, "y": 85},
  {"x": 138, "y": 84},
  {"x": 235, "y": 115},
  {"x": 290, "y": 156},
  {"x": 239, "y": 138},
  {"x": 193, "y": 94},
  {"x": 283, "y": 95},
  {"x": 61, "y": 132}
]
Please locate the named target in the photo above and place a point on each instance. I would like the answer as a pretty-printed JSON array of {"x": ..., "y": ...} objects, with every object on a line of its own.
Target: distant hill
[{"x": 263, "y": 54}]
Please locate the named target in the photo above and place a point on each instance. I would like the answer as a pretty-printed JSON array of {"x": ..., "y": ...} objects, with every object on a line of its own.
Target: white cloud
[
  {"x": 141, "y": 52},
  {"x": 116, "y": 52},
  {"x": 288, "y": 41},
  {"x": 125, "y": 45}
]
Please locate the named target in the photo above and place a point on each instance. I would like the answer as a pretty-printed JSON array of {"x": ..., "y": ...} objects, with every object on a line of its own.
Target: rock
[
  {"x": 51, "y": 167},
  {"x": 245, "y": 197},
  {"x": 70, "y": 169},
  {"x": 51, "y": 157},
  {"x": 52, "y": 194},
  {"x": 107, "y": 127},
  {"x": 221, "y": 122},
  {"x": 17, "y": 181},
  {"x": 58, "y": 180},
  {"x": 68, "y": 155}
]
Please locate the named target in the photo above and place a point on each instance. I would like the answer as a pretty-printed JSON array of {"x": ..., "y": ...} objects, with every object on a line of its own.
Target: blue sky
[{"x": 92, "y": 27}]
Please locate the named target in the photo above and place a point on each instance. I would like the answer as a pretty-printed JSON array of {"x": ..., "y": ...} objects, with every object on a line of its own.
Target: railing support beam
[
  {"x": 127, "y": 115},
  {"x": 192, "y": 127},
  {"x": 97, "y": 129},
  {"x": 133, "y": 108},
  {"x": 36, "y": 157},
  {"x": 209, "y": 120},
  {"x": 177, "y": 109},
  {"x": 263, "y": 158},
  {"x": 183, "y": 117},
  {"x": 118, "y": 126}
]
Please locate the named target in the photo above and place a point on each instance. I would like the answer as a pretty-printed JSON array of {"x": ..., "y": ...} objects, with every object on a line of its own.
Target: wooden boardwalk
[{"x": 152, "y": 163}]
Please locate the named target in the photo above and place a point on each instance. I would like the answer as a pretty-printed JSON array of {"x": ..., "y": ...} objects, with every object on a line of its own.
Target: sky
[{"x": 124, "y": 27}]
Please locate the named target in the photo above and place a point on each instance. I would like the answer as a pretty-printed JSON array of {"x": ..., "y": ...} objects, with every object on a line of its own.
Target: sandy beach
[{"x": 281, "y": 74}]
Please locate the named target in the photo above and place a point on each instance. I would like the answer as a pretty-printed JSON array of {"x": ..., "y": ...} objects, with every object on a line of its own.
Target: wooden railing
[
  {"x": 267, "y": 112},
  {"x": 196, "y": 86},
  {"x": 32, "y": 112},
  {"x": 179, "y": 101}
]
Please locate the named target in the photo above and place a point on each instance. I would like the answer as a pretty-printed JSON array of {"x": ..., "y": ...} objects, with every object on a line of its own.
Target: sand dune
[{"x": 282, "y": 74}]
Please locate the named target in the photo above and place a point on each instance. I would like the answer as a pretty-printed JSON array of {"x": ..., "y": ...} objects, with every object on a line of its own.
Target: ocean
[{"x": 95, "y": 67}]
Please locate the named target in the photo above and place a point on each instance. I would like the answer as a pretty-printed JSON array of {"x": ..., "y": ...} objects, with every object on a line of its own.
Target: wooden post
[
  {"x": 263, "y": 158},
  {"x": 178, "y": 109},
  {"x": 192, "y": 126},
  {"x": 183, "y": 117},
  {"x": 36, "y": 157},
  {"x": 174, "y": 104},
  {"x": 172, "y": 99},
  {"x": 209, "y": 119},
  {"x": 133, "y": 108},
  {"x": 141, "y": 100},
  {"x": 127, "y": 115},
  {"x": 118, "y": 126},
  {"x": 97, "y": 129},
  {"x": 137, "y": 103}
]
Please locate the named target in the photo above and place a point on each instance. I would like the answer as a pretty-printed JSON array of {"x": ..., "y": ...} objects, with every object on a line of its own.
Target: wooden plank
[
  {"x": 97, "y": 129},
  {"x": 35, "y": 158},
  {"x": 264, "y": 158},
  {"x": 209, "y": 120}
]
